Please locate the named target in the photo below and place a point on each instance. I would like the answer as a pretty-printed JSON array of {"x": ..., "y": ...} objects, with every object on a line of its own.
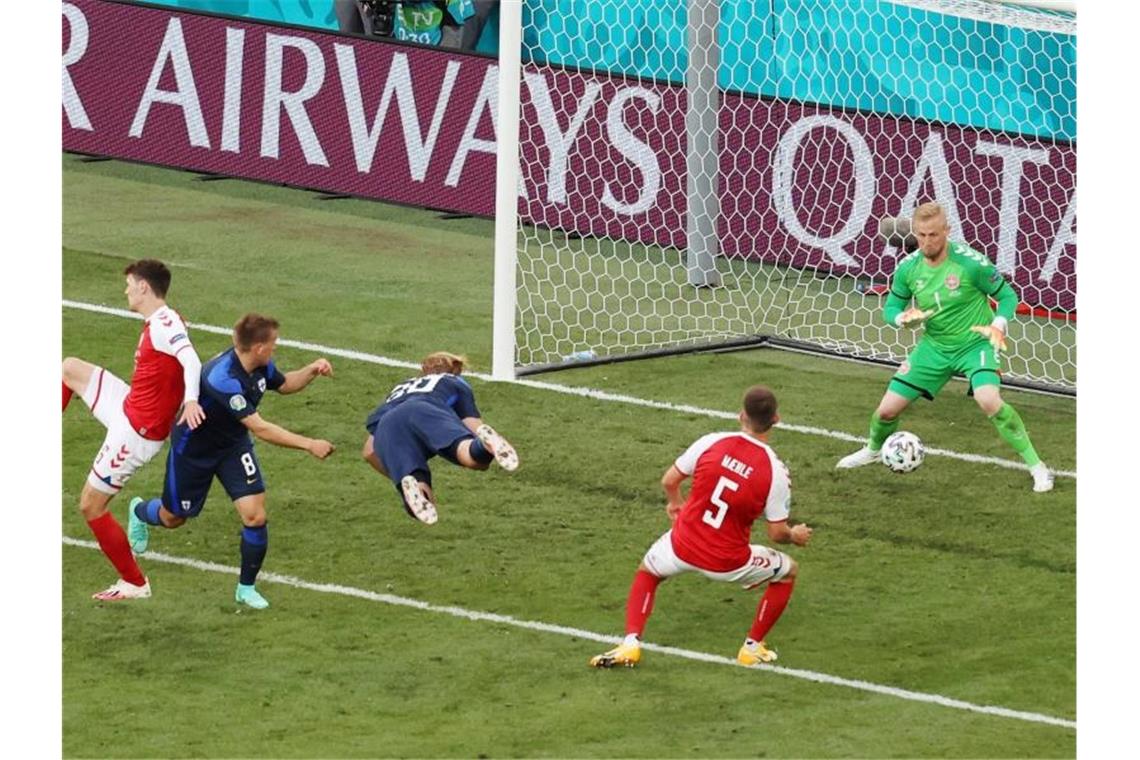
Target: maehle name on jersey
[{"x": 735, "y": 465}]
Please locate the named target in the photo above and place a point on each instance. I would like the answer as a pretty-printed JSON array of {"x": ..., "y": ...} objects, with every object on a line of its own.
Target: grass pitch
[{"x": 955, "y": 580}]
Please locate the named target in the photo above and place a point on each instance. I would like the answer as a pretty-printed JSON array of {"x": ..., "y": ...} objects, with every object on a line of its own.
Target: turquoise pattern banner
[
  {"x": 317, "y": 14},
  {"x": 870, "y": 55}
]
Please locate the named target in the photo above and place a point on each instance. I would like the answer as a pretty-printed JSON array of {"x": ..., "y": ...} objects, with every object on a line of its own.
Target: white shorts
[
  {"x": 766, "y": 564},
  {"x": 123, "y": 450}
]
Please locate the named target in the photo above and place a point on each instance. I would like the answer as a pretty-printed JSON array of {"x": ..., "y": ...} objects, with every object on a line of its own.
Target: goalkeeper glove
[
  {"x": 994, "y": 334},
  {"x": 912, "y": 317}
]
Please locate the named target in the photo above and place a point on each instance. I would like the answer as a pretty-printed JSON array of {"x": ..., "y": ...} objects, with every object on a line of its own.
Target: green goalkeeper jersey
[{"x": 956, "y": 292}]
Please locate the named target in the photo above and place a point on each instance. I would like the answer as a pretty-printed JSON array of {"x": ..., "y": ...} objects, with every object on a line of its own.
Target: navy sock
[
  {"x": 254, "y": 545},
  {"x": 479, "y": 452},
  {"x": 147, "y": 511}
]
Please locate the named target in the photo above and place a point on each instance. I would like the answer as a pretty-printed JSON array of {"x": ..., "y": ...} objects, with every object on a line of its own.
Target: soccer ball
[{"x": 902, "y": 452}]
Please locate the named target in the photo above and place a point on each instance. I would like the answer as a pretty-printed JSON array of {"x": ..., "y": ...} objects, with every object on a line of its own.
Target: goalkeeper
[{"x": 950, "y": 285}]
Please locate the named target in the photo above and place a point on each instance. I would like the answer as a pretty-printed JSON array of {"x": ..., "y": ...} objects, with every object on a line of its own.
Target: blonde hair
[
  {"x": 443, "y": 361},
  {"x": 928, "y": 211}
]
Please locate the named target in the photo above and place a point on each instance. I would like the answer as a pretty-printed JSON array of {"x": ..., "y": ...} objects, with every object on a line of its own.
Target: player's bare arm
[
  {"x": 279, "y": 436},
  {"x": 781, "y": 533},
  {"x": 472, "y": 423},
  {"x": 671, "y": 483},
  {"x": 299, "y": 378}
]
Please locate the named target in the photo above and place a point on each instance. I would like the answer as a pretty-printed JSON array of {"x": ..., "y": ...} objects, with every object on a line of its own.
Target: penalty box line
[
  {"x": 491, "y": 617},
  {"x": 591, "y": 393}
]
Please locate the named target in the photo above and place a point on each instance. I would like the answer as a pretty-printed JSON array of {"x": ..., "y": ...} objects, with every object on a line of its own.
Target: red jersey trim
[{"x": 98, "y": 390}]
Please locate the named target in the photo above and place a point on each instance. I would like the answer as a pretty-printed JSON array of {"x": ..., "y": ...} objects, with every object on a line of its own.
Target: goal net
[{"x": 700, "y": 173}]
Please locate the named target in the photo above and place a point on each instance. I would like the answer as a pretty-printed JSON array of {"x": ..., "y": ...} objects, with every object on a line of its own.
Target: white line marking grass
[
  {"x": 490, "y": 617},
  {"x": 591, "y": 393}
]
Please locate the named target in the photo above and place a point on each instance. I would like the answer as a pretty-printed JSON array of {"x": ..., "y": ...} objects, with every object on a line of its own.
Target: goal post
[
  {"x": 708, "y": 174},
  {"x": 503, "y": 349}
]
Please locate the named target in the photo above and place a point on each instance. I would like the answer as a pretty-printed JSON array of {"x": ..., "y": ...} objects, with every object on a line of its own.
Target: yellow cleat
[
  {"x": 752, "y": 657},
  {"x": 623, "y": 654}
]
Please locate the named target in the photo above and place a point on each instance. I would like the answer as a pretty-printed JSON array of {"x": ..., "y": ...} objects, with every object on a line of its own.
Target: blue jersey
[
  {"x": 442, "y": 390},
  {"x": 228, "y": 394}
]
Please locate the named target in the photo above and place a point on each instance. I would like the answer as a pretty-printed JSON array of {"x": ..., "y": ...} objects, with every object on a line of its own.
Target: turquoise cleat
[
  {"x": 248, "y": 595},
  {"x": 138, "y": 532}
]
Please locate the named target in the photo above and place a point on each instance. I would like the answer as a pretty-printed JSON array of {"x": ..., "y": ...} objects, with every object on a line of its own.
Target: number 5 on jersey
[{"x": 720, "y": 504}]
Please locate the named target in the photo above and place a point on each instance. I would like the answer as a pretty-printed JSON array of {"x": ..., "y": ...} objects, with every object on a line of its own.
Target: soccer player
[
  {"x": 137, "y": 416},
  {"x": 736, "y": 479},
  {"x": 233, "y": 383},
  {"x": 423, "y": 416},
  {"x": 950, "y": 285}
]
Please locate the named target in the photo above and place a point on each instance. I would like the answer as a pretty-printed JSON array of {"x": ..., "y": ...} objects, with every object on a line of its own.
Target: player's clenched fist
[
  {"x": 322, "y": 367},
  {"x": 801, "y": 534},
  {"x": 320, "y": 448}
]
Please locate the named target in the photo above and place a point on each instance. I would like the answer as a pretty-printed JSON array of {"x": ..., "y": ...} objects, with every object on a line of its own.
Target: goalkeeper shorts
[{"x": 929, "y": 368}]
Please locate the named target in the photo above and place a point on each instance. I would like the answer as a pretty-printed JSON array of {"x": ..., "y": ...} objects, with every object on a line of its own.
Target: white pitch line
[
  {"x": 570, "y": 390},
  {"x": 491, "y": 617}
]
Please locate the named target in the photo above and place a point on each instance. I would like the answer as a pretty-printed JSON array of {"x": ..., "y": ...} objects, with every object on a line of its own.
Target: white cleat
[
  {"x": 1042, "y": 478},
  {"x": 417, "y": 501},
  {"x": 504, "y": 452},
  {"x": 122, "y": 590},
  {"x": 858, "y": 459}
]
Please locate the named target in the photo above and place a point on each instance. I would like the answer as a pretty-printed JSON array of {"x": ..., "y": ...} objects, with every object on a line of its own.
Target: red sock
[
  {"x": 772, "y": 605},
  {"x": 639, "y": 606},
  {"x": 113, "y": 541},
  {"x": 66, "y": 396}
]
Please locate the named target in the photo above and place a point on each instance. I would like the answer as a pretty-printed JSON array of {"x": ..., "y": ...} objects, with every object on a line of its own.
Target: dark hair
[
  {"x": 252, "y": 329},
  {"x": 760, "y": 408},
  {"x": 153, "y": 272}
]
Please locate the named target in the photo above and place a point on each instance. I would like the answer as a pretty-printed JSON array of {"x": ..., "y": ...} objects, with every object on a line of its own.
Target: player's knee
[
  {"x": 988, "y": 398},
  {"x": 72, "y": 369},
  {"x": 792, "y": 571},
  {"x": 254, "y": 521},
  {"x": 92, "y": 503}
]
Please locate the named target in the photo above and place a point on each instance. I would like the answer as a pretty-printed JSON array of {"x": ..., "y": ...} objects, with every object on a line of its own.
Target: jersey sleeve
[
  {"x": 227, "y": 393},
  {"x": 900, "y": 293},
  {"x": 274, "y": 378},
  {"x": 988, "y": 279},
  {"x": 464, "y": 404},
  {"x": 779, "y": 503},
  {"x": 687, "y": 462},
  {"x": 169, "y": 335}
]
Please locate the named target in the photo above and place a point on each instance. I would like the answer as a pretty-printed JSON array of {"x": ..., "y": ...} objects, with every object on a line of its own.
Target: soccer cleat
[
  {"x": 750, "y": 658},
  {"x": 248, "y": 595},
  {"x": 1042, "y": 478},
  {"x": 417, "y": 501},
  {"x": 858, "y": 459},
  {"x": 138, "y": 532},
  {"x": 121, "y": 591},
  {"x": 623, "y": 654},
  {"x": 504, "y": 452}
]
